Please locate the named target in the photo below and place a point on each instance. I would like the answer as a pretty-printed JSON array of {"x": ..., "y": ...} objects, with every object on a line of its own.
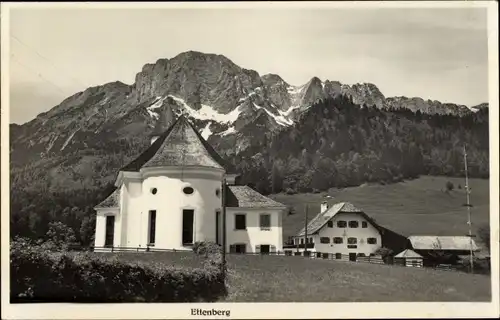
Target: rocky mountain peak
[
  {"x": 364, "y": 94},
  {"x": 222, "y": 99},
  {"x": 272, "y": 79}
]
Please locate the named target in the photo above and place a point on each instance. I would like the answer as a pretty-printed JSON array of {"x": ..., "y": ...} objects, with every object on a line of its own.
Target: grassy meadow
[
  {"x": 268, "y": 278},
  {"x": 299, "y": 279},
  {"x": 417, "y": 207}
]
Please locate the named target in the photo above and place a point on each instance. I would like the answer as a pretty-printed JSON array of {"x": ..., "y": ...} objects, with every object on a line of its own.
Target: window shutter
[
  {"x": 273, "y": 248},
  {"x": 257, "y": 249}
]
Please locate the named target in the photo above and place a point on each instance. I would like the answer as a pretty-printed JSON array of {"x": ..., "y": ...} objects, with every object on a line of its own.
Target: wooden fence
[{"x": 335, "y": 256}]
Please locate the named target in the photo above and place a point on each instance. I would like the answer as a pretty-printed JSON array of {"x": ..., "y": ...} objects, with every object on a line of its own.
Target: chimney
[
  {"x": 324, "y": 206},
  {"x": 167, "y": 118}
]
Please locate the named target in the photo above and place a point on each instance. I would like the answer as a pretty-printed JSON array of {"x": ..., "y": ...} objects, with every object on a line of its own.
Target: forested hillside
[{"x": 338, "y": 144}]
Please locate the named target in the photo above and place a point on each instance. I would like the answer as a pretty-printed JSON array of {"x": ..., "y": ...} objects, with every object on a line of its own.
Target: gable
[
  {"x": 349, "y": 216},
  {"x": 323, "y": 217}
]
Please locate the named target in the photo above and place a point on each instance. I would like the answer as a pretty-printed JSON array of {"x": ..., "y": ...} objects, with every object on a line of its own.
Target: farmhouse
[
  {"x": 341, "y": 229},
  {"x": 171, "y": 196}
]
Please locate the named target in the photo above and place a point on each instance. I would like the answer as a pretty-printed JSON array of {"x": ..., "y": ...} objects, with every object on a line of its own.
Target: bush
[
  {"x": 211, "y": 251},
  {"x": 484, "y": 235},
  {"x": 449, "y": 186},
  {"x": 481, "y": 266},
  {"x": 38, "y": 275},
  {"x": 386, "y": 254},
  {"x": 290, "y": 191}
]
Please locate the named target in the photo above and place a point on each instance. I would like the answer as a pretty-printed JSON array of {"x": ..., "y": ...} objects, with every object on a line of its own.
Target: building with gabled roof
[
  {"x": 457, "y": 244},
  {"x": 409, "y": 258},
  {"x": 170, "y": 197},
  {"x": 344, "y": 229}
]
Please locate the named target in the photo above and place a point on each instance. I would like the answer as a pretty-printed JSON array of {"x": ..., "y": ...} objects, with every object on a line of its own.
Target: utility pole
[
  {"x": 305, "y": 231},
  {"x": 469, "y": 222},
  {"x": 223, "y": 196}
]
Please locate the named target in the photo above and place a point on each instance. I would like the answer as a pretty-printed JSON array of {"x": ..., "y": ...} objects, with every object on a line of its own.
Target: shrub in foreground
[
  {"x": 212, "y": 253},
  {"x": 39, "y": 275}
]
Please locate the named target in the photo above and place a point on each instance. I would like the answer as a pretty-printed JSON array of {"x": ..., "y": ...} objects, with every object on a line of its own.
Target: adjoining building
[
  {"x": 170, "y": 197},
  {"x": 409, "y": 258},
  {"x": 343, "y": 229},
  {"x": 442, "y": 249}
]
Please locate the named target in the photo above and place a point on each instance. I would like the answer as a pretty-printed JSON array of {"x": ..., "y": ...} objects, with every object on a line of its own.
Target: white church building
[{"x": 170, "y": 197}]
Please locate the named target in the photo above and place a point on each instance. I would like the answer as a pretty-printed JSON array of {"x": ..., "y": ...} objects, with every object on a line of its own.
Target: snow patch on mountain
[
  {"x": 208, "y": 113},
  {"x": 231, "y": 130},
  {"x": 284, "y": 117},
  {"x": 69, "y": 139},
  {"x": 157, "y": 104},
  {"x": 281, "y": 120},
  {"x": 252, "y": 93},
  {"x": 51, "y": 142},
  {"x": 206, "y": 132}
]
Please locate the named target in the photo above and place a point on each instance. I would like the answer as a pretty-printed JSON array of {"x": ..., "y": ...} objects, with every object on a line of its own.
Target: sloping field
[
  {"x": 299, "y": 279},
  {"x": 418, "y": 207}
]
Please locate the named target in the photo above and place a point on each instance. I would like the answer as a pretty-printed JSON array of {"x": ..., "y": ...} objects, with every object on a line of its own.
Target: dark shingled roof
[
  {"x": 112, "y": 201},
  {"x": 183, "y": 147},
  {"x": 323, "y": 217},
  {"x": 180, "y": 145},
  {"x": 246, "y": 197}
]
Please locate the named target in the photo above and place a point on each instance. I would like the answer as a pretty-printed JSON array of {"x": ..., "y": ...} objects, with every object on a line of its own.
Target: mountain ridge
[{"x": 225, "y": 102}]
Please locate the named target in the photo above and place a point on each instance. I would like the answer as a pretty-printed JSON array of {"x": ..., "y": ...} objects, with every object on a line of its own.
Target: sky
[{"x": 439, "y": 54}]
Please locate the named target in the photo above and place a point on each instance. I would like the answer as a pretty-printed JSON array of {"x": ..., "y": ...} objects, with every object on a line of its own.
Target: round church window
[
  {"x": 217, "y": 192},
  {"x": 154, "y": 191},
  {"x": 188, "y": 190}
]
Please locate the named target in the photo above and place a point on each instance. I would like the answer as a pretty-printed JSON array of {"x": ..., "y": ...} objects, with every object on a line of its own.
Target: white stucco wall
[
  {"x": 169, "y": 203},
  {"x": 362, "y": 234},
  {"x": 253, "y": 235},
  {"x": 100, "y": 226},
  {"x": 136, "y": 200},
  {"x": 131, "y": 210}
]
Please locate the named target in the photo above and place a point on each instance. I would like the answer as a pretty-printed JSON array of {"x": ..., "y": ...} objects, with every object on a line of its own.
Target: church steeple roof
[
  {"x": 183, "y": 147},
  {"x": 180, "y": 145}
]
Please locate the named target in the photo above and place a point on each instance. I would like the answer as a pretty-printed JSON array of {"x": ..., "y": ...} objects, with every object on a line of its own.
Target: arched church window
[
  {"x": 217, "y": 192},
  {"x": 188, "y": 190}
]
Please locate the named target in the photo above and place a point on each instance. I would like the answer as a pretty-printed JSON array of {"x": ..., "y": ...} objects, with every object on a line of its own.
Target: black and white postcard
[{"x": 189, "y": 160}]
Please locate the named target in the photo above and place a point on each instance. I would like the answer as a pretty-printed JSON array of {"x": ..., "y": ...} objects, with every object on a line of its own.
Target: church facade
[{"x": 171, "y": 196}]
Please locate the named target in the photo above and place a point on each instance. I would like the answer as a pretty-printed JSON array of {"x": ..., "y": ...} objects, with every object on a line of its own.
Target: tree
[
  {"x": 484, "y": 235},
  {"x": 60, "y": 236},
  {"x": 276, "y": 178}
]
